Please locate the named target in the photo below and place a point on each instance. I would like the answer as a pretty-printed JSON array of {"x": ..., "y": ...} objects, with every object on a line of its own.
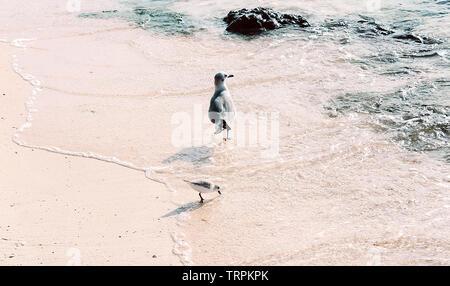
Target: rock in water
[
  {"x": 416, "y": 38},
  {"x": 258, "y": 20}
]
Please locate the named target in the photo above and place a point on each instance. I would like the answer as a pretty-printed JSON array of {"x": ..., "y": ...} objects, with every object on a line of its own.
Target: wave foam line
[
  {"x": 181, "y": 248},
  {"x": 19, "y": 43}
]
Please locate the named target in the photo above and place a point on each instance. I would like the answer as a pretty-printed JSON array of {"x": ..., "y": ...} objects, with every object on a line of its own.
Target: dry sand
[{"x": 54, "y": 207}]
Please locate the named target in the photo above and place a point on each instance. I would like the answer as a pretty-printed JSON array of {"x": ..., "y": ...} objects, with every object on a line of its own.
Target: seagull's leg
[
  {"x": 223, "y": 128},
  {"x": 201, "y": 198}
]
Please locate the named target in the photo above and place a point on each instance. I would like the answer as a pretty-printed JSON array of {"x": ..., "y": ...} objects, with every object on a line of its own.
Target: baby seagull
[
  {"x": 221, "y": 108},
  {"x": 203, "y": 187}
]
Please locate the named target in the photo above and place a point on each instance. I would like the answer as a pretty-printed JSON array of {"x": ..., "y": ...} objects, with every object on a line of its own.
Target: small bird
[
  {"x": 203, "y": 187},
  {"x": 221, "y": 108}
]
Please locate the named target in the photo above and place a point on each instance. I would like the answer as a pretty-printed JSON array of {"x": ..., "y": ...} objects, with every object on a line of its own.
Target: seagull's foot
[{"x": 201, "y": 198}]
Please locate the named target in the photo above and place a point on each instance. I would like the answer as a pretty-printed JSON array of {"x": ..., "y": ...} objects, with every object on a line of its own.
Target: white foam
[
  {"x": 182, "y": 249},
  {"x": 20, "y": 43}
]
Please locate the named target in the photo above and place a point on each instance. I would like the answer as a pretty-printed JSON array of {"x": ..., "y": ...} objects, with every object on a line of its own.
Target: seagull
[
  {"x": 221, "y": 108},
  {"x": 203, "y": 187}
]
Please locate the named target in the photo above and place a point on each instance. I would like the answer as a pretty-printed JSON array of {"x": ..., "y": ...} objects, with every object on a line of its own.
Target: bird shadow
[
  {"x": 197, "y": 156},
  {"x": 189, "y": 207}
]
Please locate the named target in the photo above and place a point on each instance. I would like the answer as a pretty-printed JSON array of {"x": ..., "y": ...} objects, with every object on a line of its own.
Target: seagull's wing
[
  {"x": 216, "y": 109},
  {"x": 200, "y": 184},
  {"x": 227, "y": 108},
  {"x": 219, "y": 106},
  {"x": 217, "y": 113}
]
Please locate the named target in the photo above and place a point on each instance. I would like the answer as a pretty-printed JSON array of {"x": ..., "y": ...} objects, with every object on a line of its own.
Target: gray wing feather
[{"x": 200, "y": 184}]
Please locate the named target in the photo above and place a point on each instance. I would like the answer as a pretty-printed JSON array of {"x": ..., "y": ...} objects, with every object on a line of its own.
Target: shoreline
[{"x": 73, "y": 210}]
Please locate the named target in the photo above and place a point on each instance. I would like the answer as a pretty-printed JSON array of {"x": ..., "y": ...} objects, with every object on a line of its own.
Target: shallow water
[{"x": 361, "y": 111}]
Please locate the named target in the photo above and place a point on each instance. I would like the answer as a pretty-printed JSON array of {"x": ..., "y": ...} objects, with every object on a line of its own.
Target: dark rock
[
  {"x": 416, "y": 38},
  {"x": 333, "y": 24},
  {"x": 110, "y": 11},
  {"x": 258, "y": 20}
]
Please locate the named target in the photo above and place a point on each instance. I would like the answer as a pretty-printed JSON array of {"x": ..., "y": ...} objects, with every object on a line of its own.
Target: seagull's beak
[{"x": 230, "y": 76}]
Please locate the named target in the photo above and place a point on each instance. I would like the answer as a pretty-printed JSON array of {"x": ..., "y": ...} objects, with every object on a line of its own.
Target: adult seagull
[{"x": 221, "y": 108}]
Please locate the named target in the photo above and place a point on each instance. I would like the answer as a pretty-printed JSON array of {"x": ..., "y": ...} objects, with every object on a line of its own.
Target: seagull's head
[
  {"x": 216, "y": 188},
  {"x": 219, "y": 79}
]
